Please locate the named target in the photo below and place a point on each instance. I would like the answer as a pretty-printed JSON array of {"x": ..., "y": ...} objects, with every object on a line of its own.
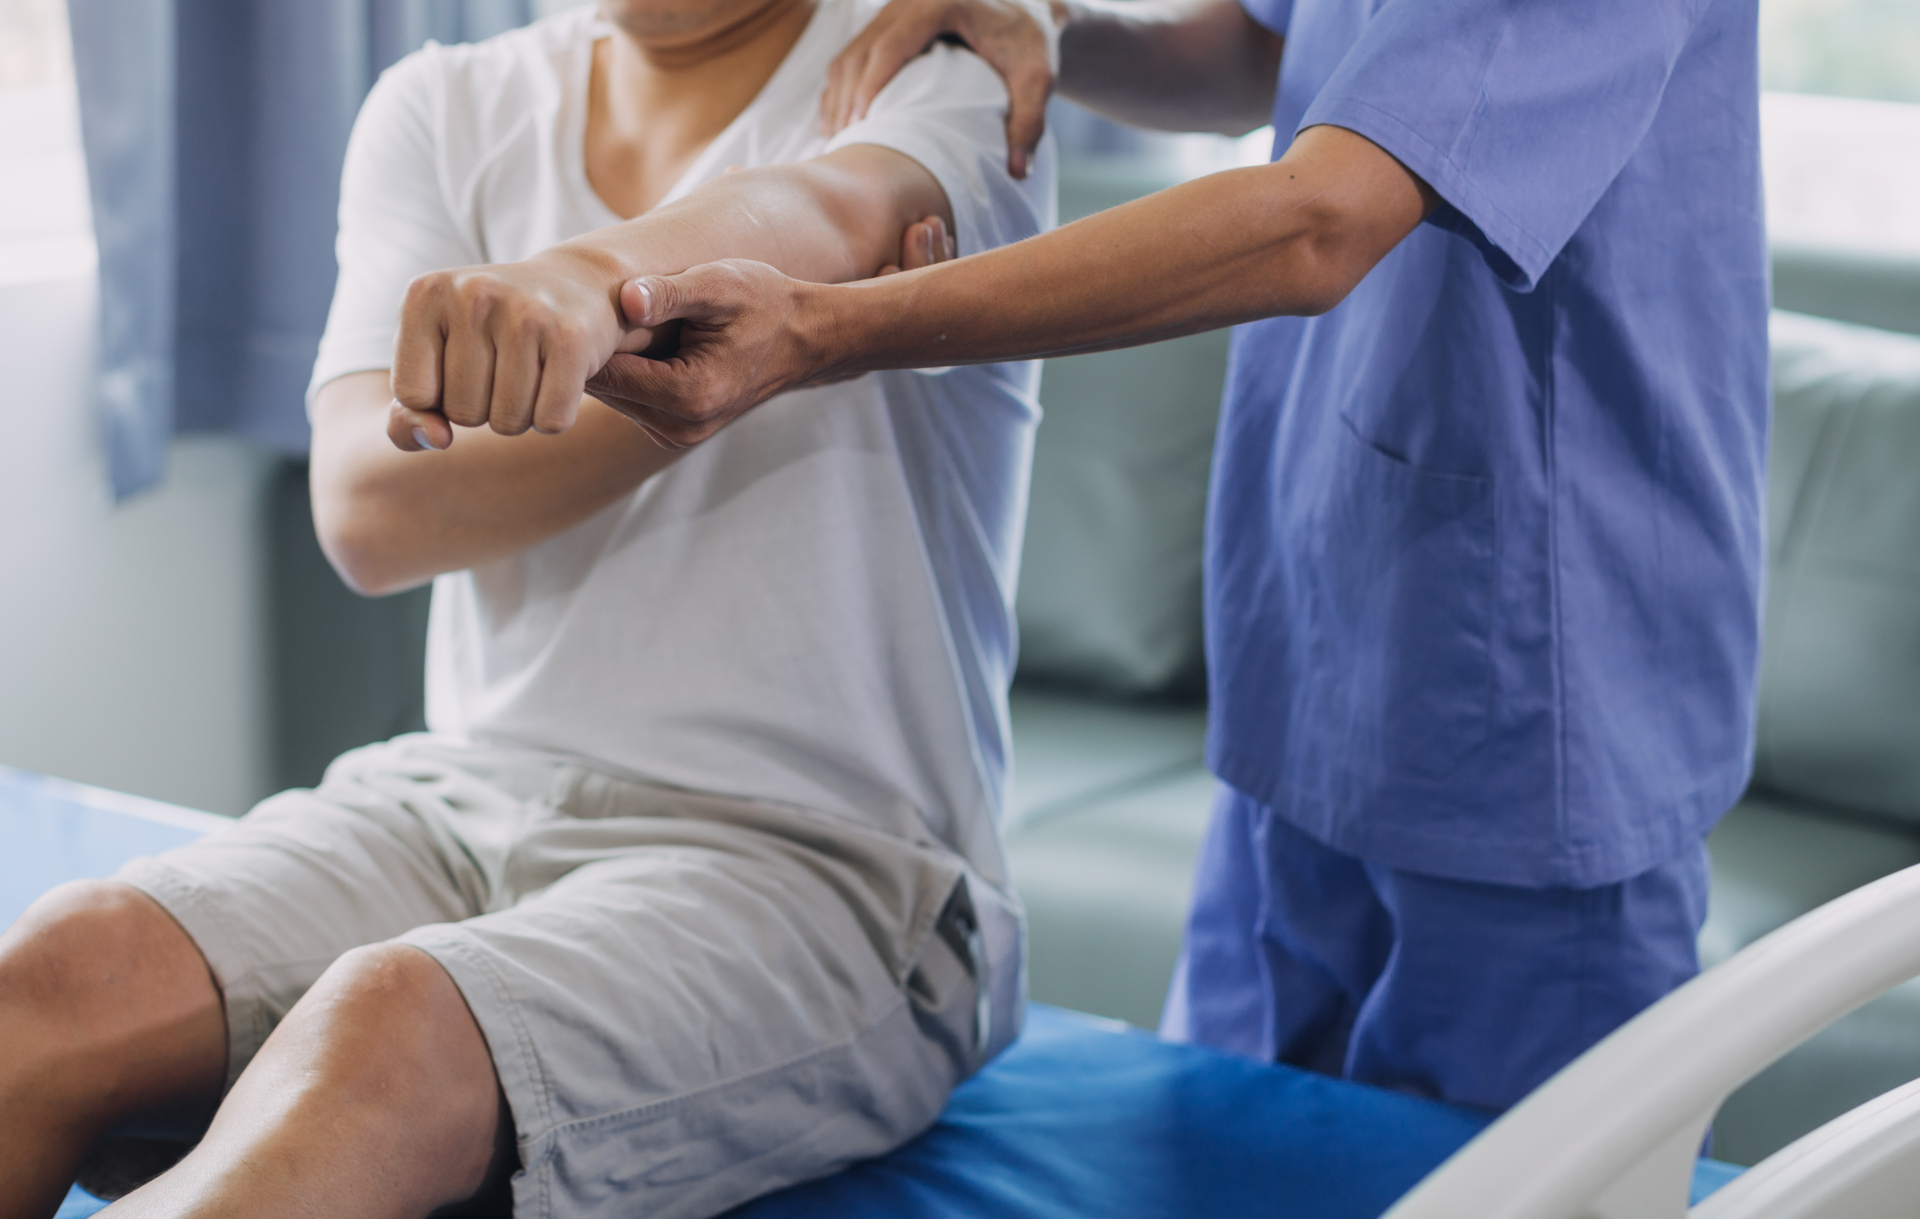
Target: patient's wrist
[{"x": 592, "y": 266}]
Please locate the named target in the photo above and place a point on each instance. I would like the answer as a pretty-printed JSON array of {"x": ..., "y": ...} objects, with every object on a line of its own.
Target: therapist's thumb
[
  {"x": 648, "y": 300},
  {"x": 655, "y": 300},
  {"x": 710, "y": 292}
]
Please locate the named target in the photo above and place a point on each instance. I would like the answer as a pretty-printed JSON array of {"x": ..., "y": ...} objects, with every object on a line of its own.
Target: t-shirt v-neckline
[{"x": 582, "y": 86}]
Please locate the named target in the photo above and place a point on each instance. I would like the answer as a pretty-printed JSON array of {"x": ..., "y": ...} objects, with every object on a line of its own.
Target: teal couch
[{"x": 1110, "y": 795}]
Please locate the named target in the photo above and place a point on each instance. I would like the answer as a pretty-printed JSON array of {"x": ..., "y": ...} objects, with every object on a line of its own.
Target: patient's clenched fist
[{"x": 508, "y": 346}]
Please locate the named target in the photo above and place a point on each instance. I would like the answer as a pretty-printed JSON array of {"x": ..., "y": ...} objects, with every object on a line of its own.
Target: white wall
[{"x": 131, "y": 638}]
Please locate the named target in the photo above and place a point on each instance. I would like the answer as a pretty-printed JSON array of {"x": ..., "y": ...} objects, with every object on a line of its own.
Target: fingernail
[
  {"x": 420, "y": 438},
  {"x": 1020, "y": 163},
  {"x": 646, "y": 302}
]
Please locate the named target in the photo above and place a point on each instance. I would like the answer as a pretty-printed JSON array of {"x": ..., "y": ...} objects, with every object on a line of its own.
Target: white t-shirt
[{"x": 815, "y": 606}]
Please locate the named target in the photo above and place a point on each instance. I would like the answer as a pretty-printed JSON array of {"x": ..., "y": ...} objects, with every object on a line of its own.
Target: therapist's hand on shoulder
[{"x": 1019, "y": 38}]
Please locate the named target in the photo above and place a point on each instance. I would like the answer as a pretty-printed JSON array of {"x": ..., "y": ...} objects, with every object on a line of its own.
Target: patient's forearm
[
  {"x": 828, "y": 221},
  {"x": 390, "y": 520},
  {"x": 504, "y": 334},
  {"x": 513, "y": 345}
]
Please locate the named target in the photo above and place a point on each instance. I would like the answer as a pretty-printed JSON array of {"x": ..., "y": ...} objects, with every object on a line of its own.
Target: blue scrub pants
[{"x": 1461, "y": 991}]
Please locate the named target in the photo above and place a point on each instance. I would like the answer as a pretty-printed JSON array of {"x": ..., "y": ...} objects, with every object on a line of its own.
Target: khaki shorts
[{"x": 689, "y": 1000}]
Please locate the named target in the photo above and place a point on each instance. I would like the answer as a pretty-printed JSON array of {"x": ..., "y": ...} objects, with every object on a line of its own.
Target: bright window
[
  {"x": 46, "y": 229},
  {"x": 1844, "y": 48}
]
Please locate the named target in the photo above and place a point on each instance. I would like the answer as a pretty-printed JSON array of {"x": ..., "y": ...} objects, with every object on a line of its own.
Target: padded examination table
[{"x": 1080, "y": 1118}]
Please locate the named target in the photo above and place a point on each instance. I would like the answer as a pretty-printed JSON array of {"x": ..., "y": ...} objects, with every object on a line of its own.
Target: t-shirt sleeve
[
  {"x": 1519, "y": 115},
  {"x": 947, "y": 110},
  {"x": 394, "y": 220}
]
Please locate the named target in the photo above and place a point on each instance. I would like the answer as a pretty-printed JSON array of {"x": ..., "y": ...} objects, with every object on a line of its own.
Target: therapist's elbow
[
  {"x": 1325, "y": 259},
  {"x": 1322, "y": 270}
]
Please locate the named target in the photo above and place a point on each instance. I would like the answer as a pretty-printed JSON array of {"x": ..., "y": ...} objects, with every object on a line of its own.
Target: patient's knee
[
  {"x": 386, "y": 1031},
  {"x": 106, "y": 1002},
  {"x": 91, "y": 948},
  {"x": 400, "y": 1013}
]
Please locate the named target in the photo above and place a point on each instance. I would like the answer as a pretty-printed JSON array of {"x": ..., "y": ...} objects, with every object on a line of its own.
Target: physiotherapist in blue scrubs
[{"x": 1485, "y": 542}]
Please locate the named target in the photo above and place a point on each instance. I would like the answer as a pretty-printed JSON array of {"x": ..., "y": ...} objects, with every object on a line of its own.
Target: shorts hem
[
  {"x": 232, "y": 967},
  {"x": 515, "y": 1063}
]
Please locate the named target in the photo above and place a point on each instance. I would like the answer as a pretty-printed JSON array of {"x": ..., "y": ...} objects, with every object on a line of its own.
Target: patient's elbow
[{"x": 364, "y": 552}]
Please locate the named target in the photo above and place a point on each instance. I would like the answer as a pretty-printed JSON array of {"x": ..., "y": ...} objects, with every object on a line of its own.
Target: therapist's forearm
[
  {"x": 1174, "y": 65},
  {"x": 1293, "y": 237}
]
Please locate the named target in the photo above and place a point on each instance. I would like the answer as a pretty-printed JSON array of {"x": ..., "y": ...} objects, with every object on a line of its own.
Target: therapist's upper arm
[
  {"x": 1519, "y": 115},
  {"x": 1360, "y": 201}
]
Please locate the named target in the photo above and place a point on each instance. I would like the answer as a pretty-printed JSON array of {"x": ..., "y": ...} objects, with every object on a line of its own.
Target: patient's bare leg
[
  {"x": 106, "y": 1012},
  {"x": 375, "y": 1097}
]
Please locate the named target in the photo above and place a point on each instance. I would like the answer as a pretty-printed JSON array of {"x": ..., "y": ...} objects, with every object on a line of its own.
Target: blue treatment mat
[{"x": 1082, "y": 1117}]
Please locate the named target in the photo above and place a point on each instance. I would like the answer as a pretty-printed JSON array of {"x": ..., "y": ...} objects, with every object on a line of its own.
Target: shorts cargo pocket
[
  {"x": 1403, "y": 613},
  {"x": 947, "y": 984}
]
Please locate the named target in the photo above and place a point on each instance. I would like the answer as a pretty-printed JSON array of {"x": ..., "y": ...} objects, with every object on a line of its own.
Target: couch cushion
[
  {"x": 1840, "y": 672},
  {"x": 1071, "y": 750},
  {"x": 1106, "y": 887},
  {"x": 1110, "y": 581},
  {"x": 1872, "y": 288},
  {"x": 1775, "y": 860}
]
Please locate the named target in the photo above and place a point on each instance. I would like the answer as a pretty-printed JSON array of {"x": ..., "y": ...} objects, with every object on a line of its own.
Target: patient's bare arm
[
  {"x": 512, "y": 347},
  {"x": 390, "y": 519}
]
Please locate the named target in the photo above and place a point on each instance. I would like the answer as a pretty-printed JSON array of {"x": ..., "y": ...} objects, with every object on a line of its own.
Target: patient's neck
[{"x": 658, "y": 98}]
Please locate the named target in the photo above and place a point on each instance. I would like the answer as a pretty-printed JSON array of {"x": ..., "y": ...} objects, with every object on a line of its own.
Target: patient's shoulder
[{"x": 474, "y": 96}]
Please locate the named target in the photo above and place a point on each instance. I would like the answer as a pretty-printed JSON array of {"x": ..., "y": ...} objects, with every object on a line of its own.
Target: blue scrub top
[{"x": 1485, "y": 542}]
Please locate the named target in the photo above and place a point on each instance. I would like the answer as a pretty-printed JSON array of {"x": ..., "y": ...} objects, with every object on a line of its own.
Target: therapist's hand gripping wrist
[{"x": 745, "y": 334}]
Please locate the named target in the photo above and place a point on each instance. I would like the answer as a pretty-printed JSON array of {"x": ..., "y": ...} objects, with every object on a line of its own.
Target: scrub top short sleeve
[
  {"x": 1518, "y": 115},
  {"x": 1271, "y": 13}
]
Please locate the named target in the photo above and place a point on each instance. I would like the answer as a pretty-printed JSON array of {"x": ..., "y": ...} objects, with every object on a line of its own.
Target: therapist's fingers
[
  {"x": 414, "y": 431},
  {"x": 1028, "y": 89},
  {"x": 855, "y": 77},
  {"x": 1019, "y": 39},
  {"x": 923, "y": 244},
  {"x": 914, "y": 250},
  {"x": 940, "y": 246}
]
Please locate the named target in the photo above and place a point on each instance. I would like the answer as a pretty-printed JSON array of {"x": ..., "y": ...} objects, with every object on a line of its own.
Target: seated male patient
[{"x": 693, "y": 887}]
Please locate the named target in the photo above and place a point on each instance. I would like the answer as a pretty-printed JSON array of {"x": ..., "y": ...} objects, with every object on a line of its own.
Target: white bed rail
[{"x": 1615, "y": 1134}]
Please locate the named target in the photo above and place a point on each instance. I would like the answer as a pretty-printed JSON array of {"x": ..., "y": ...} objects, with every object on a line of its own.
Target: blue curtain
[{"x": 214, "y": 131}]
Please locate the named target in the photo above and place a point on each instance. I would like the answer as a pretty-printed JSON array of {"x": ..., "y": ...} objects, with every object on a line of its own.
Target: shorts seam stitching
[
  {"x": 458, "y": 945},
  {"x": 671, "y": 1102}
]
